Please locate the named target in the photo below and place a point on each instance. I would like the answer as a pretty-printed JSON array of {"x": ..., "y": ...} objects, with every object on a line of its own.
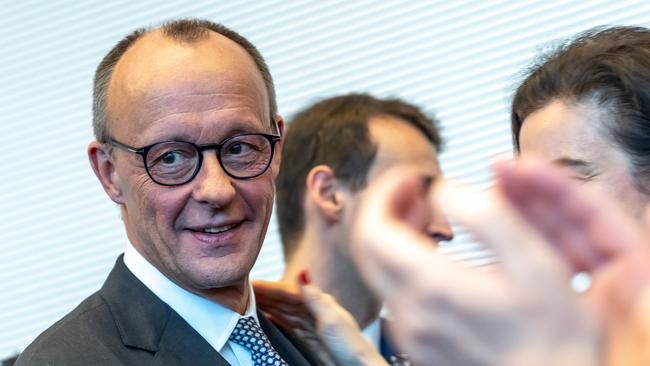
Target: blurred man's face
[
  {"x": 206, "y": 233},
  {"x": 400, "y": 143}
]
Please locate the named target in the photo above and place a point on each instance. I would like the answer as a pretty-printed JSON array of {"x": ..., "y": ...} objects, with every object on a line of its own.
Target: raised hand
[{"x": 446, "y": 313}]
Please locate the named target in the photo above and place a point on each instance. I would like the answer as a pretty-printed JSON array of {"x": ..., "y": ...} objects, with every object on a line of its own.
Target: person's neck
[
  {"x": 234, "y": 297},
  {"x": 332, "y": 270}
]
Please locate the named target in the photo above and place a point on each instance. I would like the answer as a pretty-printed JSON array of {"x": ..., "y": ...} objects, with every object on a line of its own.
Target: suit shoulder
[{"x": 84, "y": 331}]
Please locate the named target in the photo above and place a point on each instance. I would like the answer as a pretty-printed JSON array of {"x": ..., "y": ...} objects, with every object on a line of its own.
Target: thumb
[{"x": 326, "y": 310}]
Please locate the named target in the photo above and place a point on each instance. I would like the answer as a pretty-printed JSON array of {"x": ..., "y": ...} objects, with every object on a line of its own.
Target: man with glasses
[{"x": 187, "y": 144}]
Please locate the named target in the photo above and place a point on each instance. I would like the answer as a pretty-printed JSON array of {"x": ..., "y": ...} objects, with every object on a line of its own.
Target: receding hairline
[
  {"x": 134, "y": 54},
  {"x": 163, "y": 35},
  {"x": 387, "y": 118},
  {"x": 184, "y": 30}
]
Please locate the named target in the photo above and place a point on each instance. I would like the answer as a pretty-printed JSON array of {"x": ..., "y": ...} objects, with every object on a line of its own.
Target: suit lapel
[
  {"x": 388, "y": 351},
  {"x": 146, "y": 322},
  {"x": 180, "y": 344},
  {"x": 281, "y": 344}
]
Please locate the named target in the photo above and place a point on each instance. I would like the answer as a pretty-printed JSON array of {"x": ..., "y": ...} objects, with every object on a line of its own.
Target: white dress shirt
[
  {"x": 373, "y": 333},
  {"x": 212, "y": 321}
]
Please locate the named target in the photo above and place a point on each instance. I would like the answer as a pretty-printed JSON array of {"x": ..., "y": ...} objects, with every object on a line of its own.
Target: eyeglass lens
[{"x": 177, "y": 162}]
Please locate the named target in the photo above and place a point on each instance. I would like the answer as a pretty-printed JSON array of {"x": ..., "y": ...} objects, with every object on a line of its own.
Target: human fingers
[
  {"x": 317, "y": 347},
  {"x": 522, "y": 252},
  {"x": 385, "y": 244},
  {"x": 283, "y": 302},
  {"x": 279, "y": 296},
  {"x": 291, "y": 322},
  {"x": 339, "y": 331},
  {"x": 327, "y": 311},
  {"x": 587, "y": 229},
  {"x": 399, "y": 194},
  {"x": 591, "y": 232},
  {"x": 617, "y": 287},
  {"x": 443, "y": 319},
  {"x": 275, "y": 291}
]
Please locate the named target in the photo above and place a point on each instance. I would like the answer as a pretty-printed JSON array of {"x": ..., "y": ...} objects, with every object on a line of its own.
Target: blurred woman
[{"x": 587, "y": 107}]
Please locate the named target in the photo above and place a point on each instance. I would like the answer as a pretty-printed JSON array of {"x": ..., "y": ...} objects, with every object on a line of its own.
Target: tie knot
[{"x": 248, "y": 334}]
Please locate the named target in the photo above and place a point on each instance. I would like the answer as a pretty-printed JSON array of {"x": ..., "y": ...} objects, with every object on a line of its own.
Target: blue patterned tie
[{"x": 249, "y": 335}]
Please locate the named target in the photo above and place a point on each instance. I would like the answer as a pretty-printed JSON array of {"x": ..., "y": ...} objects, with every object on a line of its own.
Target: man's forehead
[
  {"x": 160, "y": 75},
  {"x": 399, "y": 142},
  {"x": 156, "y": 58},
  {"x": 398, "y": 137}
]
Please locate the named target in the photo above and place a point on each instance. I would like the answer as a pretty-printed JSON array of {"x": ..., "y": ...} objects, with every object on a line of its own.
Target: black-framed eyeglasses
[{"x": 172, "y": 163}]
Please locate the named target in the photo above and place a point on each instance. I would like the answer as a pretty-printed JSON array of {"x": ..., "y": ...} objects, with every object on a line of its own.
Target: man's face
[
  {"x": 206, "y": 233},
  {"x": 400, "y": 143}
]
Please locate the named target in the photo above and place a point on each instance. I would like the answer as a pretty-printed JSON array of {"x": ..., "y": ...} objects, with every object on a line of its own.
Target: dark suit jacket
[
  {"x": 124, "y": 323},
  {"x": 390, "y": 353}
]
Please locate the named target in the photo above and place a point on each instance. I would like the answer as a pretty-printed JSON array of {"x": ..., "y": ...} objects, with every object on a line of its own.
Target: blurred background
[{"x": 60, "y": 234}]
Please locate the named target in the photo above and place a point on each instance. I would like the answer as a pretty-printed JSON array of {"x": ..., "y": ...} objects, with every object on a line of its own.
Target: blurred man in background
[{"x": 331, "y": 151}]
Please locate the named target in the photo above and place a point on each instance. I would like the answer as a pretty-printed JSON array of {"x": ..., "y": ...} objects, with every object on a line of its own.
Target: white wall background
[{"x": 59, "y": 234}]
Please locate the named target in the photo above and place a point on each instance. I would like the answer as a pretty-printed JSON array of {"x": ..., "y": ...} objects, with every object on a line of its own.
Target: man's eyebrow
[
  {"x": 185, "y": 136},
  {"x": 241, "y": 129}
]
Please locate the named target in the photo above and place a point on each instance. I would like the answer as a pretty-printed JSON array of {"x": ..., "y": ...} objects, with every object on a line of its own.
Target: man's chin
[{"x": 221, "y": 276}]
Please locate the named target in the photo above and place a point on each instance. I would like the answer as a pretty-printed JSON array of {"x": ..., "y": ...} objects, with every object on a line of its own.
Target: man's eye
[
  {"x": 239, "y": 148},
  {"x": 170, "y": 158}
]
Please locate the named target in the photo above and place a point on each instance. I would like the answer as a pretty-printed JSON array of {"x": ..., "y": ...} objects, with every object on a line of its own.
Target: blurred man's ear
[
  {"x": 104, "y": 168},
  {"x": 325, "y": 191}
]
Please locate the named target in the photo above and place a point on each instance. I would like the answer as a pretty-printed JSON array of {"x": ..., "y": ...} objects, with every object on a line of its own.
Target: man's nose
[
  {"x": 440, "y": 229},
  {"x": 213, "y": 185},
  {"x": 440, "y": 233}
]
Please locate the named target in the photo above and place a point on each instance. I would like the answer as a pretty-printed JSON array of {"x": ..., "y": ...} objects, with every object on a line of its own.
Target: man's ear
[
  {"x": 325, "y": 191},
  {"x": 277, "y": 158},
  {"x": 104, "y": 168},
  {"x": 279, "y": 121}
]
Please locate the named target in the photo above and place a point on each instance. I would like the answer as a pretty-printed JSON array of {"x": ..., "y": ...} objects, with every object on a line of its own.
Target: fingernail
[{"x": 303, "y": 277}]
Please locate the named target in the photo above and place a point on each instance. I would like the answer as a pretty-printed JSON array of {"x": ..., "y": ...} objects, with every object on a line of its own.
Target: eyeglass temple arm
[{"x": 124, "y": 146}]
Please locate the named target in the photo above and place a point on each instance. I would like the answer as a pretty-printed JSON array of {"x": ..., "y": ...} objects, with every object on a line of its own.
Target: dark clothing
[{"x": 124, "y": 323}]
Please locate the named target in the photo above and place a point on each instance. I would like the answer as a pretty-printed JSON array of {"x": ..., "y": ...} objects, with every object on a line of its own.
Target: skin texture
[
  {"x": 329, "y": 208},
  {"x": 202, "y": 92},
  {"x": 574, "y": 135}
]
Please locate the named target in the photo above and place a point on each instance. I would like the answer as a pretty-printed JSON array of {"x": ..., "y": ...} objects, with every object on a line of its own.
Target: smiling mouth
[{"x": 215, "y": 229}]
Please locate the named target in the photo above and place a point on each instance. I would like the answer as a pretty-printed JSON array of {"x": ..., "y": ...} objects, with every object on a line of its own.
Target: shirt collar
[
  {"x": 212, "y": 321},
  {"x": 373, "y": 333}
]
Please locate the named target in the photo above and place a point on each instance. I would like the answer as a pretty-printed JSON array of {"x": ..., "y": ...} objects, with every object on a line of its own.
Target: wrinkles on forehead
[{"x": 160, "y": 104}]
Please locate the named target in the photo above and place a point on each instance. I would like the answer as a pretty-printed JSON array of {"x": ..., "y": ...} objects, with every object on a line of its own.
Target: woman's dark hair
[{"x": 608, "y": 66}]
